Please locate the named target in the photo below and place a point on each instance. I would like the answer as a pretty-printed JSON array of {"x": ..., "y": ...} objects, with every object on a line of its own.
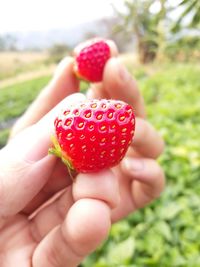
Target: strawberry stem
[{"x": 57, "y": 151}]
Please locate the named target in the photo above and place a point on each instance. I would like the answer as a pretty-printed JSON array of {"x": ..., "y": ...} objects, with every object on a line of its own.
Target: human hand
[
  {"x": 140, "y": 177},
  {"x": 78, "y": 218}
]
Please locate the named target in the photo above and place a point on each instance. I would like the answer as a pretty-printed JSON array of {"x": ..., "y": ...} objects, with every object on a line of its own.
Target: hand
[
  {"x": 140, "y": 178},
  {"x": 45, "y": 220}
]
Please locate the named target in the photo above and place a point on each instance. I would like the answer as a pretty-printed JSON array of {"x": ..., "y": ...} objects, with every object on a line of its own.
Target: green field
[
  {"x": 167, "y": 232},
  {"x": 15, "y": 99}
]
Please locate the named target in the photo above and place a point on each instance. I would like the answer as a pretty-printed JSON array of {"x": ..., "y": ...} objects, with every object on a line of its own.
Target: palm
[{"x": 16, "y": 243}]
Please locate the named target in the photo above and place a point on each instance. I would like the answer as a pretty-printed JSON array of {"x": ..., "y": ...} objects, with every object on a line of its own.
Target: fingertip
[
  {"x": 116, "y": 74},
  {"x": 64, "y": 80},
  {"x": 120, "y": 84},
  {"x": 102, "y": 186},
  {"x": 147, "y": 140},
  {"x": 87, "y": 225},
  {"x": 146, "y": 171},
  {"x": 113, "y": 48},
  {"x": 132, "y": 166},
  {"x": 63, "y": 64}
]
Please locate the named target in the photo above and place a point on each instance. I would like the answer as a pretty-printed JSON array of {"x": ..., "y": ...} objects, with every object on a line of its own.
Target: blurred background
[{"x": 159, "y": 41}]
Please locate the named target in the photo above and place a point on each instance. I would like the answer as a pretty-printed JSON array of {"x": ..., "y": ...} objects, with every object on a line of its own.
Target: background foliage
[{"x": 160, "y": 26}]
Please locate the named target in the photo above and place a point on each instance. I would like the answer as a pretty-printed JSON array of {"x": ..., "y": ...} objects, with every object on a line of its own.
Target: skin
[{"x": 45, "y": 219}]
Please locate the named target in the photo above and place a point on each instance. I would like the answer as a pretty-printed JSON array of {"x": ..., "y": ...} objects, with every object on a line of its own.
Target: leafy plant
[
  {"x": 191, "y": 11},
  {"x": 145, "y": 26},
  {"x": 57, "y": 52},
  {"x": 15, "y": 99}
]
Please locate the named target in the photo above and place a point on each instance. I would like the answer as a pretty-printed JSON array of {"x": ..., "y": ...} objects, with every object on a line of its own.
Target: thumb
[
  {"x": 85, "y": 227},
  {"x": 25, "y": 164}
]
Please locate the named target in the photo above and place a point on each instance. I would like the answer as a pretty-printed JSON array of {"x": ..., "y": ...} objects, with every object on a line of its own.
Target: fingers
[
  {"x": 51, "y": 215},
  {"x": 87, "y": 224},
  {"x": 118, "y": 84},
  {"x": 148, "y": 179},
  {"x": 62, "y": 84},
  {"x": 25, "y": 165},
  {"x": 59, "y": 179},
  {"x": 25, "y": 168},
  {"x": 101, "y": 186},
  {"x": 147, "y": 141}
]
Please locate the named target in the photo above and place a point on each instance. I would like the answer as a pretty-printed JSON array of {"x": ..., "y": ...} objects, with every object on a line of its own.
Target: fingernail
[{"x": 133, "y": 165}]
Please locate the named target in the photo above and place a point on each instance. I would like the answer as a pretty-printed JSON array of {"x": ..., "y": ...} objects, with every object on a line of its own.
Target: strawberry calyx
[{"x": 57, "y": 151}]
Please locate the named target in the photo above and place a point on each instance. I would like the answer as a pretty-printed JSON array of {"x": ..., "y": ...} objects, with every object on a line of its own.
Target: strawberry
[
  {"x": 90, "y": 61},
  {"x": 93, "y": 135}
]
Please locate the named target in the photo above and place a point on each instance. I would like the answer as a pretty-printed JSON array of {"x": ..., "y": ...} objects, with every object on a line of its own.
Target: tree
[
  {"x": 2, "y": 44},
  {"x": 7, "y": 43},
  {"x": 191, "y": 10},
  {"x": 58, "y": 51},
  {"x": 140, "y": 21}
]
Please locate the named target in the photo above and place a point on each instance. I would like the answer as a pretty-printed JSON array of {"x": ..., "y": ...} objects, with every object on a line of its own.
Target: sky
[{"x": 34, "y": 15}]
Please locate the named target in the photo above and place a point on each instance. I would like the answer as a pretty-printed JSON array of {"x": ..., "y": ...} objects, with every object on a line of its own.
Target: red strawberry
[
  {"x": 90, "y": 61},
  {"x": 94, "y": 135}
]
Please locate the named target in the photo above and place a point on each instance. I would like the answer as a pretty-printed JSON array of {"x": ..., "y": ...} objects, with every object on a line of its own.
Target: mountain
[{"x": 69, "y": 36}]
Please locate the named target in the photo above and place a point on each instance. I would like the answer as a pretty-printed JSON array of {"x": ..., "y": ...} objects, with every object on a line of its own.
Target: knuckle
[
  {"x": 158, "y": 171},
  {"x": 159, "y": 176},
  {"x": 159, "y": 149},
  {"x": 113, "y": 47},
  {"x": 162, "y": 145},
  {"x": 141, "y": 131}
]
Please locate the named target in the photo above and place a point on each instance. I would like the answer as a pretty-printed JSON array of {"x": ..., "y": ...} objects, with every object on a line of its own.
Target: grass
[
  {"x": 15, "y": 99},
  {"x": 14, "y": 63},
  {"x": 167, "y": 232},
  {"x": 4, "y": 136}
]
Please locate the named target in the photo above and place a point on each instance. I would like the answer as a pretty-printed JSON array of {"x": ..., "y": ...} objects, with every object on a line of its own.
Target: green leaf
[
  {"x": 170, "y": 211},
  {"x": 122, "y": 252},
  {"x": 164, "y": 229}
]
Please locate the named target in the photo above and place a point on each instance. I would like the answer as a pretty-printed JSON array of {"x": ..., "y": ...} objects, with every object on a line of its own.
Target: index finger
[
  {"x": 119, "y": 84},
  {"x": 63, "y": 83}
]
